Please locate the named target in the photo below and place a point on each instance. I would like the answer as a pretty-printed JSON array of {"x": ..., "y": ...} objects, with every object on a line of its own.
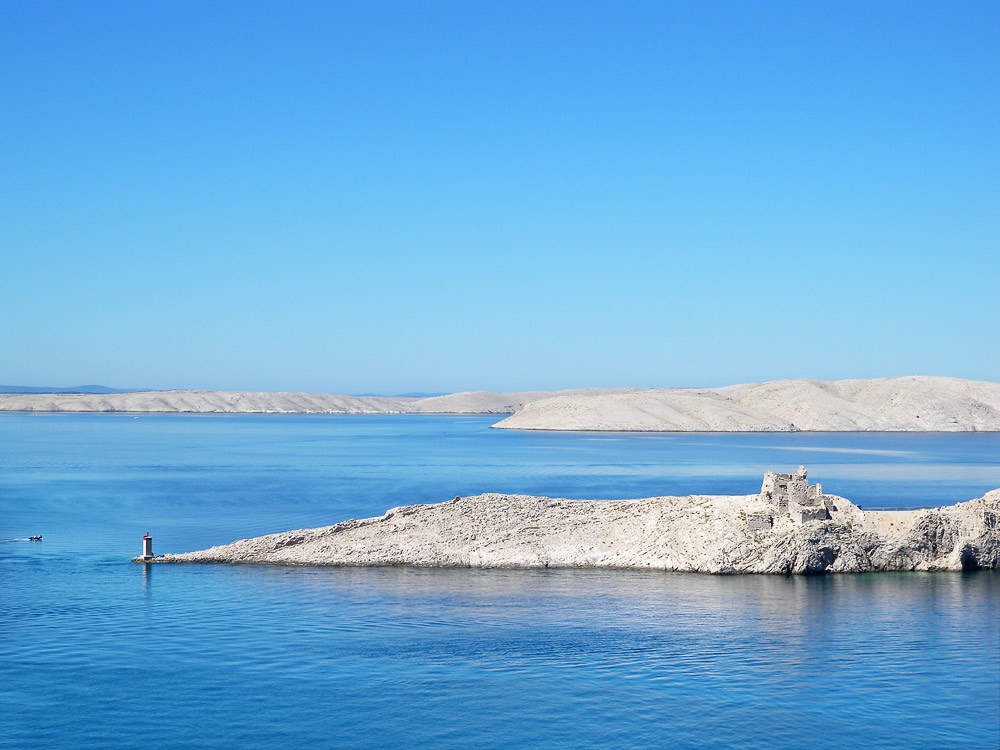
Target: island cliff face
[{"x": 790, "y": 527}]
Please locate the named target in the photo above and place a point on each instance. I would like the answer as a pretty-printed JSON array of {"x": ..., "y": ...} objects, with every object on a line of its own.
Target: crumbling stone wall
[
  {"x": 774, "y": 490},
  {"x": 798, "y": 487},
  {"x": 760, "y": 521},
  {"x": 812, "y": 514}
]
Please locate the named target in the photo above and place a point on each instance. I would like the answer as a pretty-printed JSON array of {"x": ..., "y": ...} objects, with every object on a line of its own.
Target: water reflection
[
  {"x": 147, "y": 581},
  {"x": 457, "y": 658}
]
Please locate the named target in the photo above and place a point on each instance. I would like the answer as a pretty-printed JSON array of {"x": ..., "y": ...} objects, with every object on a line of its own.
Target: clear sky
[{"x": 438, "y": 196}]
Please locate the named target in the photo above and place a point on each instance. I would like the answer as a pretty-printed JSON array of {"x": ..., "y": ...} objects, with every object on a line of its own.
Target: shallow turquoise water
[{"x": 98, "y": 652}]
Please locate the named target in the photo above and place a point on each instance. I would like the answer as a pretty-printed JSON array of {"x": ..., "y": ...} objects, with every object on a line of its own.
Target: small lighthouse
[{"x": 147, "y": 547}]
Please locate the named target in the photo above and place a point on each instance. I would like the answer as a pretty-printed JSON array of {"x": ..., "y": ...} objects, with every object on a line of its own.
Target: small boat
[{"x": 35, "y": 538}]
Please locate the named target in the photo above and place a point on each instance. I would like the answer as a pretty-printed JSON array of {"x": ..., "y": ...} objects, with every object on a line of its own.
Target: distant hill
[
  {"x": 238, "y": 402},
  {"x": 414, "y": 394},
  {"x": 68, "y": 389},
  {"x": 907, "y": 404}
]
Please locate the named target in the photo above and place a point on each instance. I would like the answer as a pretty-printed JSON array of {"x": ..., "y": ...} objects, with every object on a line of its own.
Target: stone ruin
[{"x": 792, "y": 495}]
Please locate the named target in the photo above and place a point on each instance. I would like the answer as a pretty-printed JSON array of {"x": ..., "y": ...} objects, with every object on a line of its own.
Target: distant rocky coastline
[
  {"x": 247, "y": 402},
  {"x": 907, "y": 404},
  {"x": 789, "y": 527}
]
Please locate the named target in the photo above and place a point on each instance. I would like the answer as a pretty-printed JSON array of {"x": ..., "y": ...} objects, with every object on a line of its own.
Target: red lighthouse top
[{"x": 147, "y": 536}]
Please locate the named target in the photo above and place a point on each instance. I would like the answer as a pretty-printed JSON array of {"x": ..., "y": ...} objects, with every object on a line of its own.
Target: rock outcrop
[{"x": 698, "y": 533}]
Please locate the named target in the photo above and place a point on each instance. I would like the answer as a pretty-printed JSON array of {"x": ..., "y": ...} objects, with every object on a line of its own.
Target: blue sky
[{"x": 436, "y": 196}]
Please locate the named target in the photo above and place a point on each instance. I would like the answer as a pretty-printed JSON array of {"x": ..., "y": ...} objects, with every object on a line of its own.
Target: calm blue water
[{"x": 98, "y": 652}]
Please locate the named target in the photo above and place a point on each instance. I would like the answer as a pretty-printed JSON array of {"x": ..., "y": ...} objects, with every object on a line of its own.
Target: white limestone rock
[
  {"x": 890, "y": 404},
  {"x": 908, "y": 404},
  {"x": 244, "y": 402},
  {"x": 698, "y": 533}
]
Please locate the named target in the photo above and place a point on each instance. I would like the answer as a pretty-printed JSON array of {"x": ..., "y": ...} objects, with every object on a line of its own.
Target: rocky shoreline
[{"x": 788, "y": 528}]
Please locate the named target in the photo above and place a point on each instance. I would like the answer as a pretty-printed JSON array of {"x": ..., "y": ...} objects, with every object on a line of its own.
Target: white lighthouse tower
[{"x": 147, "y": 547}]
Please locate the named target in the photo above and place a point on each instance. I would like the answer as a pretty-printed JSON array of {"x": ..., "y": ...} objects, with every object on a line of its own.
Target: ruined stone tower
[{"x": 792, "y": 494}]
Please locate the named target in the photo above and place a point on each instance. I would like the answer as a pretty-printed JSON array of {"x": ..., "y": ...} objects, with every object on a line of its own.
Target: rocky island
[{"x": 789, "y": 527}]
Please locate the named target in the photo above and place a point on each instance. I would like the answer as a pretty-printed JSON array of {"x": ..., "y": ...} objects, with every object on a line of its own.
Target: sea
[{"x": 100, "y": 652}]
